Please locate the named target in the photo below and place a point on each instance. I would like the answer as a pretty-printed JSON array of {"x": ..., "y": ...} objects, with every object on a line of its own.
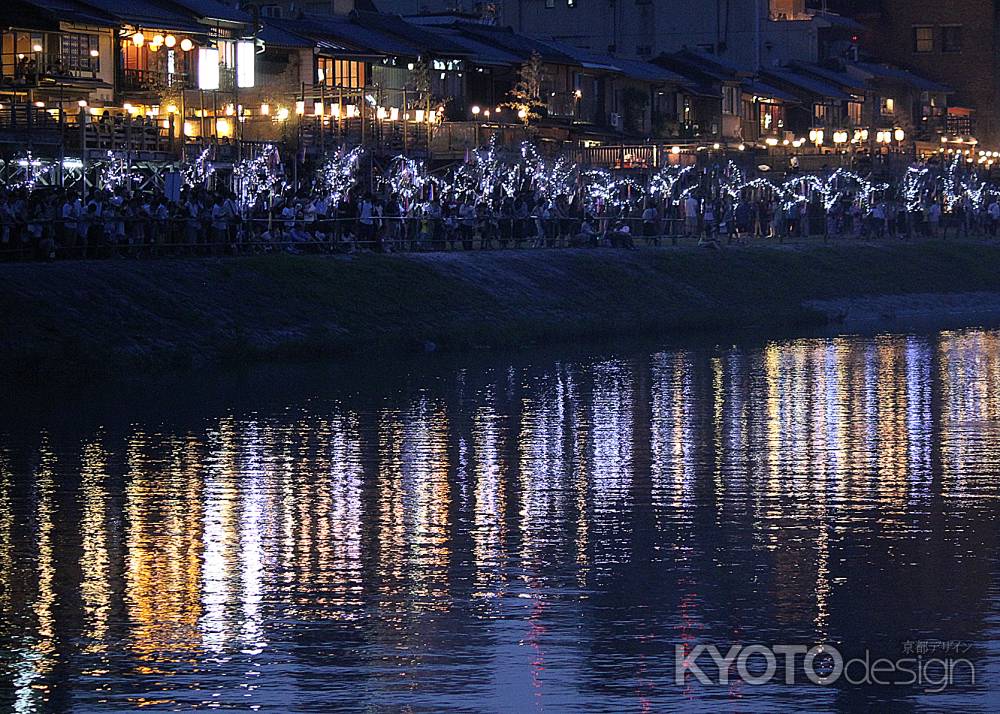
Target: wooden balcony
[{"x": 144, "y": 80}]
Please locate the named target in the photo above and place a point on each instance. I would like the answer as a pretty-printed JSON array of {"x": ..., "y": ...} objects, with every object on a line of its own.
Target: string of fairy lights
[{"x": 493, "y": 176}]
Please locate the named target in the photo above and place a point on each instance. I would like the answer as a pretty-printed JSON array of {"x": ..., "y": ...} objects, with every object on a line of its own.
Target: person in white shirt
[{"x": 691, "y": 209}]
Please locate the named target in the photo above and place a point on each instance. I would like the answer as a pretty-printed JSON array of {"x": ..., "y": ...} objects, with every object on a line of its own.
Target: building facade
[
  {"x": 954, "y": 43},
  {"x": 750, "y": 33}
]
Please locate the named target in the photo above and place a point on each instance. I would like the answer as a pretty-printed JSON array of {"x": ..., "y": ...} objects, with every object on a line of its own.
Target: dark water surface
[{"x": 518, "y": 534}]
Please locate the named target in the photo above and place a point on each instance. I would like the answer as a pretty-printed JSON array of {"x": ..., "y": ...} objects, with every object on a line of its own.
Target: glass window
[
  {"x": 19, "y": 54},
  {"x": 79, "y": 52},
  {"x": 951, "y": 38},
  {"x": 730, "y": 100},
  {"x": 854, "y": 113},
  {"x": 923, "y": 38},
  {"x": 340, "y": 73}
]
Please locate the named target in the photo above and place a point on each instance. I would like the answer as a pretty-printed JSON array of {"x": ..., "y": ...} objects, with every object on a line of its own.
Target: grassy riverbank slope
[{"x": 116, "y": 315}]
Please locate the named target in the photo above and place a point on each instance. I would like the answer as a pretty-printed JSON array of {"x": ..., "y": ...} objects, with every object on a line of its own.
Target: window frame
[
  {"x": 945, "y": 45},
  {"x": 923, "y": 45}
]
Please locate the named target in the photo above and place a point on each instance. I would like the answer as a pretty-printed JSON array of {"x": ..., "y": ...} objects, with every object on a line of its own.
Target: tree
[{"x": 526, "y": 96}]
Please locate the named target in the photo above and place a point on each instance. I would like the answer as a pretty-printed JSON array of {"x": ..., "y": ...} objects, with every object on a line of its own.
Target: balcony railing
[
  {"x": 146, "y": 80},
  {"x": 33, "y": 68},
  {"x": 58, "y": 65}
]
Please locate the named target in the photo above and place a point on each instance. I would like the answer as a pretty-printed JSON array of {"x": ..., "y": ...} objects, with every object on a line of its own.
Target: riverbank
[{"x": 115, "y": 316}]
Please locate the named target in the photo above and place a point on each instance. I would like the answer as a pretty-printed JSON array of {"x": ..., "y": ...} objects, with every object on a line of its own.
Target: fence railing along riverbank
[{"x": 174, "y": 237}]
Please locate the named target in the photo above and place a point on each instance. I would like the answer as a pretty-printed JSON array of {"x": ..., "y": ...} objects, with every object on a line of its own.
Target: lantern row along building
[{"x": 157, "y": 79}]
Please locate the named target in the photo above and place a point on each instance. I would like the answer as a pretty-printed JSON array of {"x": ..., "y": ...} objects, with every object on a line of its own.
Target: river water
[{"x": 540, "y": 531}]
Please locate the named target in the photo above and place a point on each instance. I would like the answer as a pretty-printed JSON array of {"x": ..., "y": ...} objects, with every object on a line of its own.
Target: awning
[
  {"x": 148, "y": 14},
  {"x": 414, "y": 35},
  {"x": 480, "y": 52},
  {"x": 343, "y": 37},
  {"x": 762, "y": 89},
  {"x": 841, "y": 79},
  {"x": 809, "y": 85},
  {"x": 70, "y": 11},
  {"x": 883, "y": 71},
  {"x": 208, "y": 10}
]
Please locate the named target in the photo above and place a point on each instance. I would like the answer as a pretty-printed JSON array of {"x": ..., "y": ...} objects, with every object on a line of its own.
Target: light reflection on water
[{"x": 515, "y": 537}]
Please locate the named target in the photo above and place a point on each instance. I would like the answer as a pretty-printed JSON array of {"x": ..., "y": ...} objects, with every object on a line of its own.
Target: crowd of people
[{"x": 54, "y": 223}]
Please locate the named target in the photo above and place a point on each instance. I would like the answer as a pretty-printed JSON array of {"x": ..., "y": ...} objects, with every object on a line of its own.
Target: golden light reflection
[
  {"x": 164, "y": 519},
  {"x": 95, "y": 531},
  {"x": 774, "y": 464}
]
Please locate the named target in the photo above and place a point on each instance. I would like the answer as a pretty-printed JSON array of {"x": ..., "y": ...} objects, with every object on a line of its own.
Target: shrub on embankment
[{"x": 117, "y": 315}]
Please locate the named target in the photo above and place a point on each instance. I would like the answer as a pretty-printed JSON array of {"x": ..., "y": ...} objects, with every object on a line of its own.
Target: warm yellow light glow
[
  {"x": 476, "y": 110},
  {"x": 171, "y": 109},
  {"x": 675, "y": 150},
  {"x": 188, "y": 128},
  {"x": 230, "y": 110},
  {"x": 318, "y": 109},
  {"x": 82, "y": 103},
  {"x": 899, "y": 134},
  {"x": 186, "y": 45},
  {"x": 522, "y": 114},
  {"x": 94, "y": 53},
  {"x": 224, "y": 127},
  {"x": 36, "y": 48},
  {"x": 381, "y": 113},
  {"x": 335, "y": 110},
  {"x": 282, "y": 113},
  {"x": 300, "y": 107},
  {"x": 158, "y": 40},
  {"x": 265, "y": 109},
  {"x": 771, "y": 141},
  {"x": 138, "y": 39},
  {"x": 170, "y": 40}
]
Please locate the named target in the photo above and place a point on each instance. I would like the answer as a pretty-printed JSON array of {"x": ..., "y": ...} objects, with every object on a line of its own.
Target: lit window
[{"x": 923, "y": 39}]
